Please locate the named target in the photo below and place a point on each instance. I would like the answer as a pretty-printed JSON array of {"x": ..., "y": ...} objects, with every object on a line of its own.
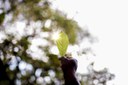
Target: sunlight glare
[{"x": 55, "y": 36}]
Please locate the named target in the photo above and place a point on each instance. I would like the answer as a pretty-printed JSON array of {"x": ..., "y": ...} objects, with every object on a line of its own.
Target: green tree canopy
[{"x": 26, "y": 28}]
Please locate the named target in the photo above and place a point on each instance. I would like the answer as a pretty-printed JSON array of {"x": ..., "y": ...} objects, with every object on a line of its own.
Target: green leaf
[
  {"x": 2, "y": 16},
  {"x": 62, "y": 43}
]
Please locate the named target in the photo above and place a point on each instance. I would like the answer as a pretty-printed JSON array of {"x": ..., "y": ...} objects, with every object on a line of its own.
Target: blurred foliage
[
  {"x": 23, "y": 62},
  {"x": 94, "y": 77}
]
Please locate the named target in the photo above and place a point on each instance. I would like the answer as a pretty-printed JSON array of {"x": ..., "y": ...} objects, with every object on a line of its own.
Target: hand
[
  {"x": 68, "y": 64},
  {"x": 69, "y": 67}
]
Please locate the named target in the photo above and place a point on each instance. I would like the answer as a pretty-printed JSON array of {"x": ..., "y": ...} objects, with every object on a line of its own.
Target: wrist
[
  {"x": 70, "y": 78},
  {"x": 69, "y": 74}
]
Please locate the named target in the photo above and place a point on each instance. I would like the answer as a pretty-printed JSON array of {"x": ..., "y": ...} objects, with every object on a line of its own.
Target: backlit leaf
[{"x": 62, "y": 43}]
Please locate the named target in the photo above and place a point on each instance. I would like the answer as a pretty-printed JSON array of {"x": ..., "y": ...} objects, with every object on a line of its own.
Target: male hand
[
  {"x": 68, "y": 64},
  {"x": 69, "y": 67}
]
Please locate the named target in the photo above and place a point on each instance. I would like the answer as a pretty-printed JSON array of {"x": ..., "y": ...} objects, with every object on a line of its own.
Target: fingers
[{"x": 68, "y": 63}]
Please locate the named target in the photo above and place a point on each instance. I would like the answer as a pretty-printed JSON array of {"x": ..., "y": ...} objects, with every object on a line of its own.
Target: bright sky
[{"x": 108, "y": 20}]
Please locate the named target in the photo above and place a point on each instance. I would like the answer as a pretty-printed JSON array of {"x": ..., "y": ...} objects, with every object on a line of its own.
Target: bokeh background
[{"x": 97, "y": 31}]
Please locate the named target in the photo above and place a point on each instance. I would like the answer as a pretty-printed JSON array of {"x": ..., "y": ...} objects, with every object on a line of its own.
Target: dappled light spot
[
  {"x": 29, "y": 67},
  {"x": 95, "y": 82},
  {"x": 38, "y": 72},
  {"x": 22, "y": 65},
  {"x": 25, "y": 68},
  {"x": 14, "y": 41},
  {"x": 44, "y": 34},
  {"x": 54, "y": 50},
  {"x": 47, "y": 79},
  {"x": 18, "y": 82},
  {"x": 40, "y": 80},
  {"x": 18, "y": 75},
  {"x": 16, "y": 49},
  {"x": 13, "y": 63},
  {"x": 47, "y": 23},
  {"x": 32, "y": 78},
  {"x": 23, "y": 73},
  {"x": 51, "y": 73}
]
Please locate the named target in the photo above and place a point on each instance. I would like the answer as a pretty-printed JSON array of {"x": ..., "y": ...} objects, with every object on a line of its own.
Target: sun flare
[{"x": 55, "y": 36}]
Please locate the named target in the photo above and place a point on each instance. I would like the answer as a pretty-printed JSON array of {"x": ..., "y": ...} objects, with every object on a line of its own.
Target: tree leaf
[
  {"x": 62, "y": 43},
  {"x": 2, "y": 16}
]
